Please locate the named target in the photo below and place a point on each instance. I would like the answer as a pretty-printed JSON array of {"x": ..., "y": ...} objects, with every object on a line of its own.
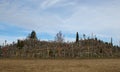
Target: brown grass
[{"x": 92, "y": 65}]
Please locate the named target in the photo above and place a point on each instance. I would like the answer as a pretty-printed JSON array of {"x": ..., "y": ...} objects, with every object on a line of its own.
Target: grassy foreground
[{"x": 82, "y": 65}]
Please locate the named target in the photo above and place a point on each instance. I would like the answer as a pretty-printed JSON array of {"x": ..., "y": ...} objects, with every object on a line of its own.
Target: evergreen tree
[
  {"x": 77, "y": 37},
  {"x": 20, "y": 44},
  {"x": 32, "y": 35},
  {"x": 111, "y": 41}
]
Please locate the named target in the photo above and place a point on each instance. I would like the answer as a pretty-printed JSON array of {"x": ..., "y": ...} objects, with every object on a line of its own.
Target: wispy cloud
[{"x": 49, "y": 3}]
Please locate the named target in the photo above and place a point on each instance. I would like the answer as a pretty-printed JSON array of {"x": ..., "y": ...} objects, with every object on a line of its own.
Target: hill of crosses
[{"x": 31, "y": 47}]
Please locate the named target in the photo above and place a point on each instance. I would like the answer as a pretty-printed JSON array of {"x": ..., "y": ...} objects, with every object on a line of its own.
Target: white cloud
[
  {"x": 49, "y": 3},
  {"x": 30, "y": 19},
  {"x": 95, "y": 19}
]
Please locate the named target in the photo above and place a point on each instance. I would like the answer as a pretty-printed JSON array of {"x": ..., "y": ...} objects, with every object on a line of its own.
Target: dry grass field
[{"x": 82, "y": 65}]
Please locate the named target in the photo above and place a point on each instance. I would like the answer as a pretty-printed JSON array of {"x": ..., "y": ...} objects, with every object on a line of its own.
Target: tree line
[{"x": 31, "y": 47}]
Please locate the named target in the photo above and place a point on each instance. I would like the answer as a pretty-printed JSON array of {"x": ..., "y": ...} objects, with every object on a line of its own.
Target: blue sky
[{"x": 47, "y": 17}]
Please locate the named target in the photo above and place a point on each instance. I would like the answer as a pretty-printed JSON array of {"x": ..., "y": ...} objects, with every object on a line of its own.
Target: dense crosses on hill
[{"x": 31, "y": 47}]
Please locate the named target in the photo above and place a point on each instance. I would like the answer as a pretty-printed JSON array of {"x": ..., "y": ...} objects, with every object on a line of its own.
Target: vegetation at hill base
[{"x": 31, "y": 47}]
